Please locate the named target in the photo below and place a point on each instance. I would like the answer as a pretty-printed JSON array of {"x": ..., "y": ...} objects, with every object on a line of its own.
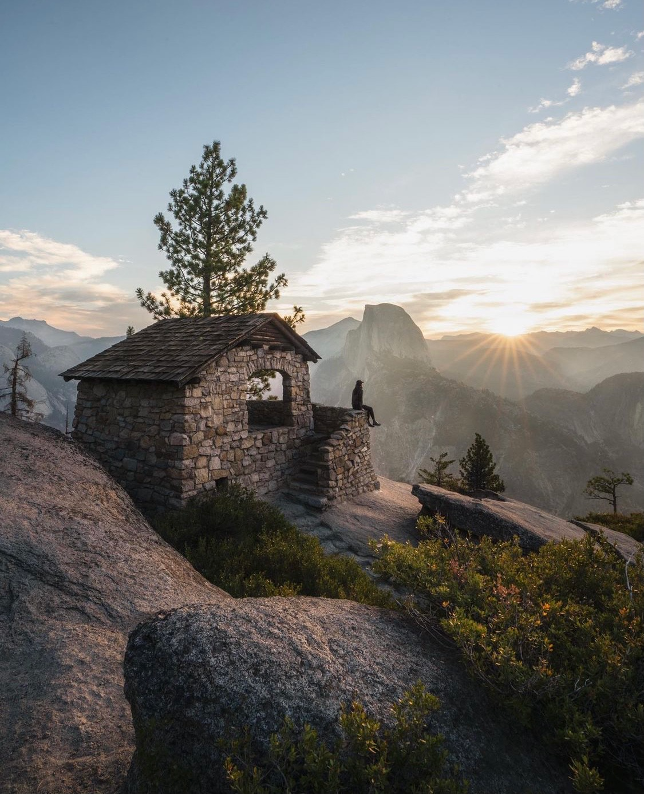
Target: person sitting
[{"x": 357, "y": 404}]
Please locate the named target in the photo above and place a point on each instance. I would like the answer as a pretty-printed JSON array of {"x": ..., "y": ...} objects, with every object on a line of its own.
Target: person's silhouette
[{"x": 357, "y": 404}]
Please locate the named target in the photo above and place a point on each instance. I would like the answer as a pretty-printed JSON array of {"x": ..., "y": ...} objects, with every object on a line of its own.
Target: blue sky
[{"x": 479, "y": 163}]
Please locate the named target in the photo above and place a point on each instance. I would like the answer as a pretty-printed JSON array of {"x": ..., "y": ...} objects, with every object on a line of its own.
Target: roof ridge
[{"x": 173, "y": 353}]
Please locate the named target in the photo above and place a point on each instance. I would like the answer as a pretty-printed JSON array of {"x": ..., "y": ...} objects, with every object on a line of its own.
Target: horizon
[
  {"x": 349, "y": 317},
  {"x": 478, "y": 164}
]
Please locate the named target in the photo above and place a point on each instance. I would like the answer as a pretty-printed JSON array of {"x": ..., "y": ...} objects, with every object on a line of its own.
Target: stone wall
[
  {"x": 133, "y": 429},
  {"x": 166, "y": 444},
  {"x": 328, "y": 419},
  {"x": 346, "y": 464},
  {"x": 219, "y": 437}
]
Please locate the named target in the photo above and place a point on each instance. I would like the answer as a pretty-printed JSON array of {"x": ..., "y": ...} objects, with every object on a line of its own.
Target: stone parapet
[{"x": 344, "y": 460}]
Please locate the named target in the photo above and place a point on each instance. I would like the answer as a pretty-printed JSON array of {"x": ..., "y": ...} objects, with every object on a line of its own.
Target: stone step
[
  {"x": 314, "y": 461},
  {"x": 311, "y": 500},
  {"x": 309, "y": 469},
  {"x": 304, "y": 485},
  {"x": 305, "y": 479}
]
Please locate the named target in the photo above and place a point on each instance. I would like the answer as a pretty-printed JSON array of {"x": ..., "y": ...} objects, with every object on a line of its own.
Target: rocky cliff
[
  {"x": 386, "y": 329},
  {"x": 79, "y": 568}
]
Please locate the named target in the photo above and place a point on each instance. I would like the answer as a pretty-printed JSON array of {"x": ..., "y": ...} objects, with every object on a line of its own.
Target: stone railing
[{"x": 344, "y": 458}]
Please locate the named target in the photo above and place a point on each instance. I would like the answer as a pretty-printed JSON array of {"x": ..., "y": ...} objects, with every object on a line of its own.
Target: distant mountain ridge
[
  {"x": 545, "y": 459},
  {"x": 54, "y": 350},
  {"x": 515, "y": 367},
  {"x": 51, "y": 336}
]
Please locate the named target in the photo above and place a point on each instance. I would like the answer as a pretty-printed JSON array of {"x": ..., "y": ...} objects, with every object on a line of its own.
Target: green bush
[
  {"x": 366, "y": 757},
  {"x": 248, "y": 548},
  {"x": 557, "y": 633},
  {"x": 631, "y": 524}
]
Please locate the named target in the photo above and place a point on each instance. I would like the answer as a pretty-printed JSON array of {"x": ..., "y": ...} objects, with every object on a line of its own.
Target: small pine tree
[
  {"x": 129, "y": 331},
  {"x": 603, "y": 487},
  {"x": 477, "y": 467},
  {"x": 20, "y": 404},
  {"x": 438, "y": 476}
]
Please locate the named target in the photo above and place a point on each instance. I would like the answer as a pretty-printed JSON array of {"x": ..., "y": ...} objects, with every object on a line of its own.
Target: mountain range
[
  {"x": 547, "y": 445},
  {"x": 53, "y": 351}
]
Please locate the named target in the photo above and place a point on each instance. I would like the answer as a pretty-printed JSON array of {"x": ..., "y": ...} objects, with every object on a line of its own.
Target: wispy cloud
[
  {"x": 601, "y": 55},
  {"x": 57, "y": 280},
  {"x": 634, "y": 80},
  {"x": 545, "y": 103},
  {"x": 575, "y": 88},
  {"x": 611, "y": 5},
  {"x": 542, "y": 151},
  {"x": 29, "y": 250}
]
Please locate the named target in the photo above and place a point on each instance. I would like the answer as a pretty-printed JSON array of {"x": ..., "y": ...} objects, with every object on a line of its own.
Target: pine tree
[
  {"x": 477, "y": 468},
  {"x": 129, "y": 331},
  {"x": 438, "y": 476},
  {"x": 215, "y": 231},
  {"x": 20, "y": 404},
  {"x": 603, "y": 487}
]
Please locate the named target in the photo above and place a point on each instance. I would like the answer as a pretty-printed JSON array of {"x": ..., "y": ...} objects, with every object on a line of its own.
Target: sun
[{"x": 510, "y": 325}]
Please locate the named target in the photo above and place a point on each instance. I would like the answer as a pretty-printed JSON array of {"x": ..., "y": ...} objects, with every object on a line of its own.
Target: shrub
[
  {"x": 248, "y": 548},
  {"x": 558, "y": 634},
  {"x": 631, "y": 524},
  {"x": 366, "y": 757}
]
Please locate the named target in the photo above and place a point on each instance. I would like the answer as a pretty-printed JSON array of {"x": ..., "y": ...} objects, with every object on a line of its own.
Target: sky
[{"x": 478, "y": 163}]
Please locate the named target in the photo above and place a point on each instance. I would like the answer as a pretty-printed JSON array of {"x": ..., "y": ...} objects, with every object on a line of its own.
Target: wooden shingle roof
[{"x": 177, "y": 349}]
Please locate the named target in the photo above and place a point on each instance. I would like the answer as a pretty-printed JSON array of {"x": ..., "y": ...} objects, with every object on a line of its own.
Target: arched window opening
[{"x": 267, "y": 399}]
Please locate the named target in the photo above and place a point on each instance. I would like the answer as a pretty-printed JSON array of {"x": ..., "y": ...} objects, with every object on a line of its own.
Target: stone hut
[{"x": 166, "y": 412}]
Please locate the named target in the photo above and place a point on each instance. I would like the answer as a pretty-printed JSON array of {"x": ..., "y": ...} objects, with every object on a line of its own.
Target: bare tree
[{"x": 20, "y": 404}]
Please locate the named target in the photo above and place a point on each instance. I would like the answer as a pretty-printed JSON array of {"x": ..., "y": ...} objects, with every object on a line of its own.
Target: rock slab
[
  {"x": 503, "y": 518},
  {"x": 195, "y": 672},
  {"x": 79, "y": 568}
]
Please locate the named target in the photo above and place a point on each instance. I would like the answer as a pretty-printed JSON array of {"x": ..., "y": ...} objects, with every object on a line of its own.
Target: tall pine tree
[
  {"x": 477, "y": 467},
  {"x": 214, "y": 233}
]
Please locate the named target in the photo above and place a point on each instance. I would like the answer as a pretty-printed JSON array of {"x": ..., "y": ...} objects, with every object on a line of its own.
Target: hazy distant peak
[
  {"x": 328, "y": 342},
  {"x": 48, "y": 334},
  {"x": 386, "y": 329},
  {"x": 346, "y": 322}
]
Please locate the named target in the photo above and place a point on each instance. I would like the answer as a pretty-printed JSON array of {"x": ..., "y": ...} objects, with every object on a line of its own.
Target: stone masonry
[
  {"x": 166, "y": 443},
  {"x": 346, "y": 464}
]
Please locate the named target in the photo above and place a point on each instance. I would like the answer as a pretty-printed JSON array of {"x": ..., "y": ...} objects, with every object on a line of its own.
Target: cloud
[
  {"x": 634, "y": 80},
  {"x": 566, "y": 275},
  {"x": 545, "y": 103},
  {"x": 58, "y": 281},
  {"x": 380, "y": 215},
  {"x": 544, "y": 150},
  {"x": 611, "y": 5},
  {"x": 601, "y": 55},
  {"x": 572, "y": 91}
]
